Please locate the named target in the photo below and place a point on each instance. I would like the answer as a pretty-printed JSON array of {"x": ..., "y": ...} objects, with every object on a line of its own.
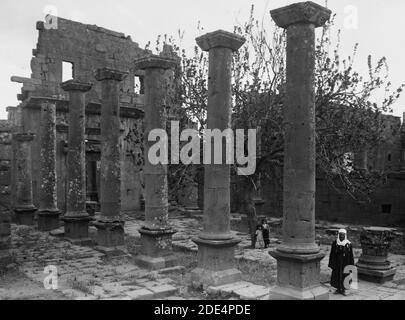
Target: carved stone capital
[
  {"x": 74, "y": 85},
  {"x": 302, "y": 12},
  {"x": 154, "y": 61},
  {"x": 220, "y": 38},
  {"x": 110, "y": 74}
]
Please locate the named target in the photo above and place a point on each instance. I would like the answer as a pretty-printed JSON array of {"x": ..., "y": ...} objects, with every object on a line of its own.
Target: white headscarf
[{"x": 345, "y": 241}]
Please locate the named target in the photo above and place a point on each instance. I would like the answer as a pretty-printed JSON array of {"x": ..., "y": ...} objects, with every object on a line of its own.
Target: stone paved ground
[{"x": 85, "y": 273}]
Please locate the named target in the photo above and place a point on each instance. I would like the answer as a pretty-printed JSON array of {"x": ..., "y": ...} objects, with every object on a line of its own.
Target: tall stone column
[
  {"x": 22, "y": 167},
  {"x": 402, "y": 137},
  {"x": 156, "y": 233},
  {"x": 298, "y": 257},
  {"x": 48, "y": 214},
  {"x": 110, "y": 224},
  {"x": 5, "y": 238},
  {"x": 216, "y": 244},
  {"x": 76, "y": 218}
]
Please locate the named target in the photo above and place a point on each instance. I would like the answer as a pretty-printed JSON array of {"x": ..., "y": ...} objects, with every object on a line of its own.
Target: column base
[
  {"x": 25, "y": 216},
  {"x": 216, "y": 260},
  {"x": 285, "y": 293},
  {"x": 77, "y": 229},
  {"x": 48, "y": 220},
  {"x": 376, "y": 273},
  {"x": 111, "y": 238},
  {"x": 156, "y": 263},
  {"x": 298, "y": 277},
  {"x": 156, "y": 249}
]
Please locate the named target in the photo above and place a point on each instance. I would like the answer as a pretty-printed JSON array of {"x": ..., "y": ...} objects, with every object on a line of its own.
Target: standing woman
[{"x": 341, "y": 255}]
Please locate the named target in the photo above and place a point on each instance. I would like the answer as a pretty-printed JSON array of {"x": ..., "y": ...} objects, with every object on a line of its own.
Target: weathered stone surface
[
  {"x": 141, "y": 294},
  {"x": 76, "y": 218},
  {"x": 48, "y": 214},
  {"x": 216, "y": 243},
  {"x": 373, "y": 265},
  {"x": 22, "y": 169},
  {"x": 110, "y": 223},
  {"x": 302, "y": 12},
  {"x": 156, "y": 232},
  {"x": 298, "y": 257},
  {"x": 220, "y": 39}
]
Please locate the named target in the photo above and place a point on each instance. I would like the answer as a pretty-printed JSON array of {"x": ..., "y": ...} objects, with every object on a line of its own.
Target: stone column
[
  {"x": 76, "y": 218},
  {"x": 373, "y": 264},
  {"x": 402, "y": 137},
  {"x": 48, "y": 214},
  {"x": 6, "y": 128},
  {"x": 110, "y": 224},
  {"x": 22, "y": 167},
  {"x": 298, "y": 257},
  {"x": 216, "y": 244},
  {"x": 156, "y": 234},
  {"x": 5, "y": 238}
]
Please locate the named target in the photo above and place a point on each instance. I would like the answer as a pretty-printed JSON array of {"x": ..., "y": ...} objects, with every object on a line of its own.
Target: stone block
[
  {"x": 142, "y": 294},
  {"x": 252, "y": 292},
  {"x": 162, "y": 291}
]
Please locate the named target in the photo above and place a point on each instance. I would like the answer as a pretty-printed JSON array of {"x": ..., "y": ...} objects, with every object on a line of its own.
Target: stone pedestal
[
  {"x": 156, "y": 233},
  {"x": 110, "y": 224},
  {"x": 76, "y": 218},
  {"x": 373, "y": 264},
  {"x": 22, "y": 166},
  {"x": 48, "y": 213},
  {"x": 298, "y": 277},
  {"x": 216, "y": 244},
  {"x": 298, "y": 257}
]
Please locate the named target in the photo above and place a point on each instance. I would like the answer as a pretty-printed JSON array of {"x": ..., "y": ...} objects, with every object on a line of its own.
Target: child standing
[
  {"x": 259, "y": 237},
  {"x": 266, "y": 233}
]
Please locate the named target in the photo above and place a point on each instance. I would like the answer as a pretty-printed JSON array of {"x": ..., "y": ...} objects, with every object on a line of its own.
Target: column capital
[
  {"x": 222, "y": 39},
  {"x": 110, "y": 74},
  {"x": 155, "y": 61},
  {"x": 74, "y": 85},
  {"x": 23, "y": 137},
  {"x": 302, "y": 12}
]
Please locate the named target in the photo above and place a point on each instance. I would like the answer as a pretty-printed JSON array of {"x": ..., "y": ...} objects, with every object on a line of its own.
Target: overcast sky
[{"x": 379, "y": 29}]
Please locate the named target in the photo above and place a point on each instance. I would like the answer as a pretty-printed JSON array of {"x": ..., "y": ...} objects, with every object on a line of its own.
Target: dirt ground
[{"x": 15, "y": 285}]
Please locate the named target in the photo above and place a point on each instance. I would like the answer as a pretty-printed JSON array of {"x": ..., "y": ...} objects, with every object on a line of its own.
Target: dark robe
[
  {"x": 340, "y": 257},
  {"x": 266, "y": 234}
]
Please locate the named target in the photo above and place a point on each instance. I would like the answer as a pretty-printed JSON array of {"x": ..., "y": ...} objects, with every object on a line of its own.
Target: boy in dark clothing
[{"x": 266, "y": 233}]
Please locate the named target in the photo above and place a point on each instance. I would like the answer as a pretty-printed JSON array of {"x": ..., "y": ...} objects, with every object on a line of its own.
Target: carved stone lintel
[{"x": 23, "y": 137}]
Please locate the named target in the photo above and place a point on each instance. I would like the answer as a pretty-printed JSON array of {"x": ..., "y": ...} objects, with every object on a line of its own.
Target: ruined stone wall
[
  {"x": 87, "y": 48},
  {"x": 387, "y": 205},
  {"x": 5, "y": 164}
]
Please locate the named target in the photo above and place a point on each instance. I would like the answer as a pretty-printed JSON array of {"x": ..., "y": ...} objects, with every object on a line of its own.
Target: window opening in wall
[
  {"x": 138, "y": 85},
  {"x": 386, "y": 208},
  {"x": 67, "y": 71}
]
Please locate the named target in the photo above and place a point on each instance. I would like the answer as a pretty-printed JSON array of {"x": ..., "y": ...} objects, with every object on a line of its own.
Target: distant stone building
[
  {"x": 387, "y": 205},
  {"x": 66, "y": 50}
]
